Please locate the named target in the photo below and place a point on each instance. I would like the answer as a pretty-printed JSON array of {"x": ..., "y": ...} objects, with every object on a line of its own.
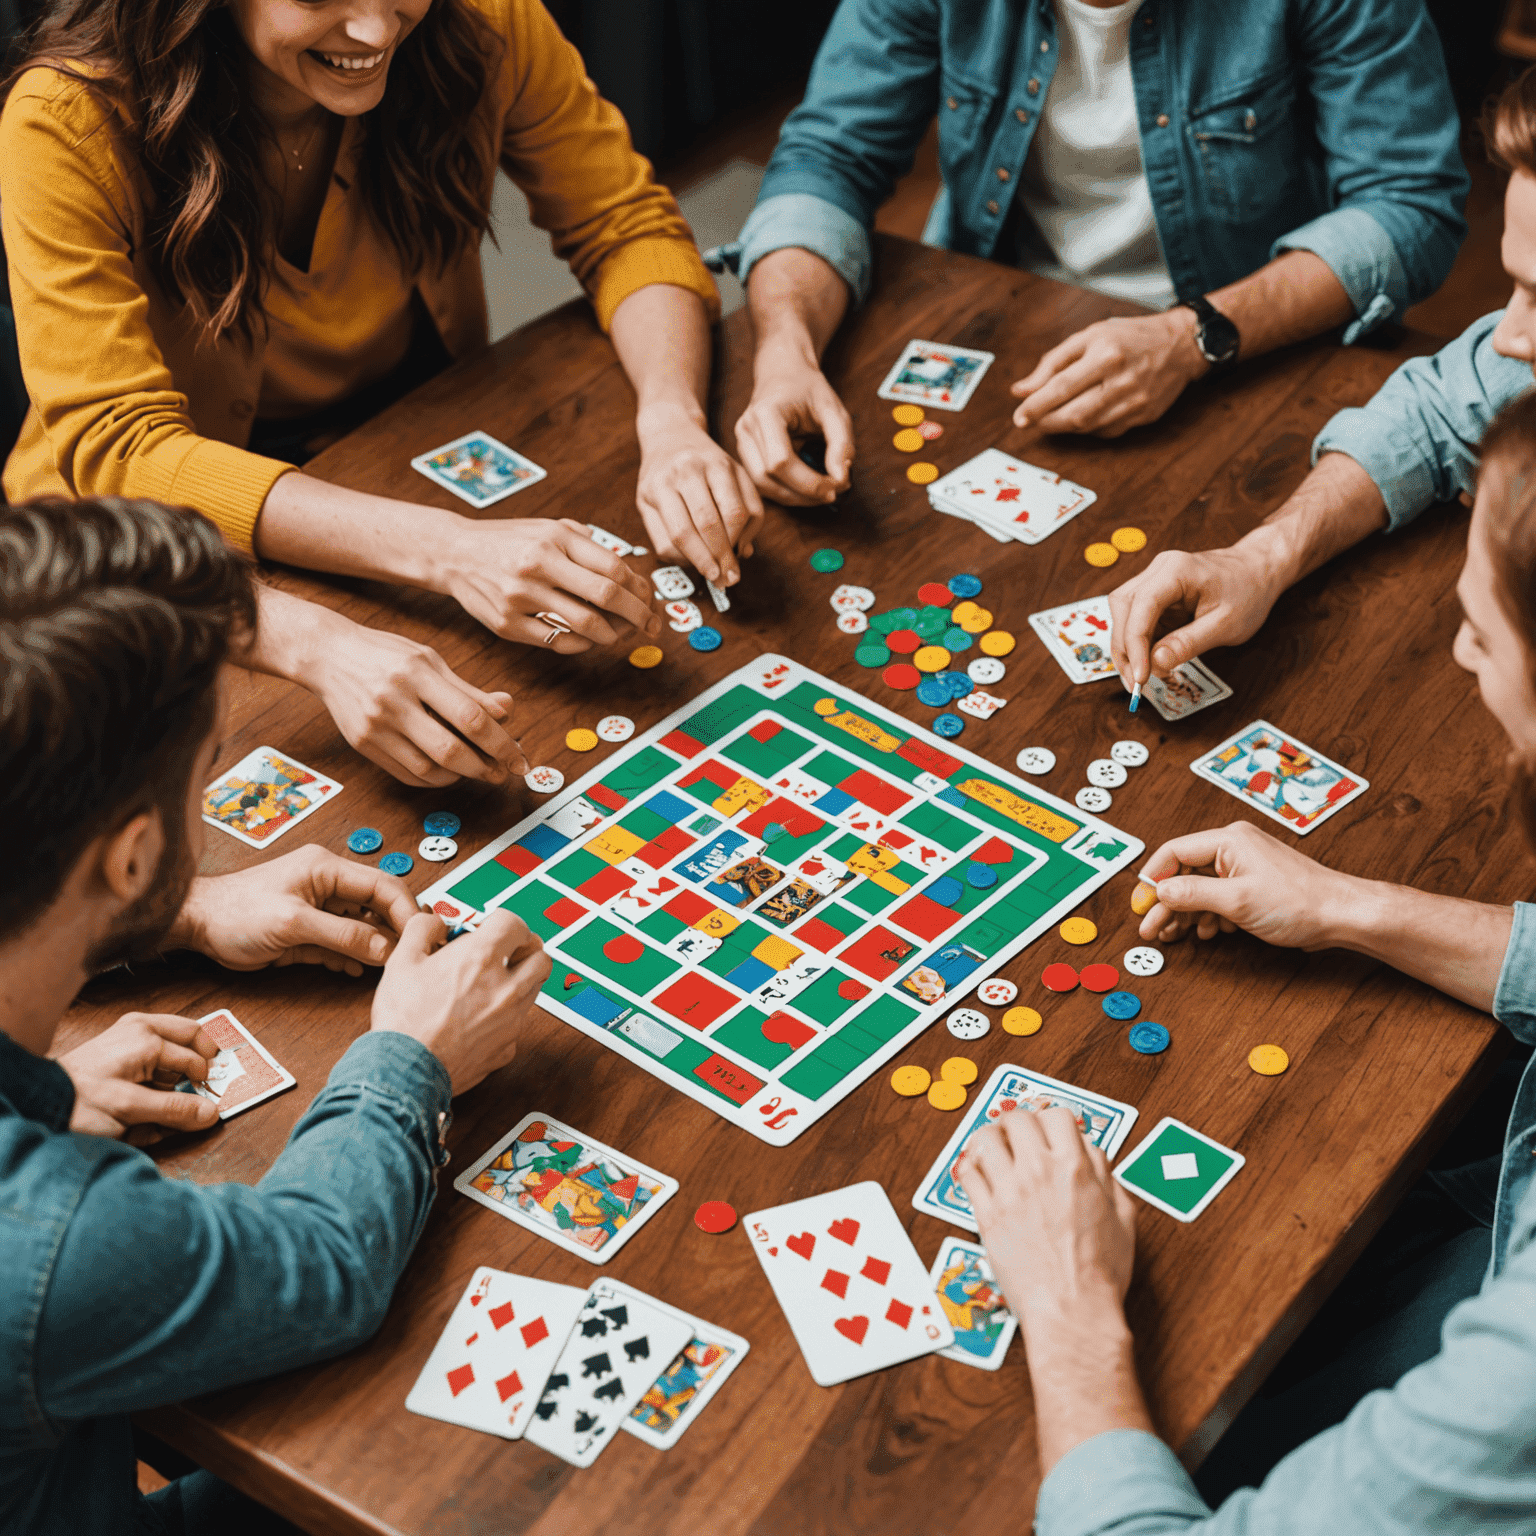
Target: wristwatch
[{"x": 1215, "y": 335}]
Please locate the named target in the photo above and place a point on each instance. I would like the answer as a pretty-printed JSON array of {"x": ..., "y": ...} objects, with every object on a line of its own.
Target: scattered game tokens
[
  {"x": 366, "y": 840},
  {"x": 714, "y": 1216},
  {"x": 437, "y": 850},
  {"x": 997, "y": 992},
  {"x": 932, "y": 692},
  {"x": 581, "y": 739},
  {"x": 946, "y": 1095},
  {"x": 852, "y": 622},
  {"x": 908, "y": 440},
  {"x": 1036, "y": 759},
  {"x": 959, "y": 1069},
  {"x": 957, "y": 684},
  {"x": 824, "y": 707},
  {"x": 930, "y": 658},
  {"x": 441, "y": 824},
  {"x": 871, "y": 654},
  {"x": 964, "y": 585},
  {"x": 963, "y": 610},
  {"x": 1148, "y": 1039},
  {"x": 1093, "y": 799},
  {"x": 1143, "y": 898},
  {"x": 827, "y": 560},
  {"x": 1101, "y": 554},
  {"x": 1022, "y": 1021},
  {"x": 909, "y": 1082},
  {"x": 544, "y": 779},
  {"x": 1268, "y": 1060},
  {"x": 1128, "y": 540},
  {"x": 1099, "y": 978},
  {"x": 922, "y": 473},
  {"x": 615, "y": 728},
  {"x": 907, "y": 415},
  {"x": 706, "y": 638},
  {"x": 897, "y": 618},
  {"x": 976, "y": 622},
  {"x": 1078, "y": 930},
  {"x": 903, "y": 641},
  {"x": 1143, "y": 960},
  {"x": 397, "y": 863},
  {"x": 645, "y": 657},
  {"x": 1059, "y": 977},
  {"x": 998, "y": 643},
  {"x": 986, "y": 669},
  {"x": 1106, "y": 773},
  {"x": 1121, "y": 1005},
  {"x": 967, "y": 1024},
  {"x": 980, "y": 877},
  {"x": 929, "y": 431},
  {"x": 901, "y": 676},
  {"x": 1130, "y": 753},
  {"x": 848, "y": 596},
  {"x": 934, "y": 594},
  {"x": 947, "y": 725},
  {"x": 930, "y": 623},
  {"x": 957, "y": 640}
]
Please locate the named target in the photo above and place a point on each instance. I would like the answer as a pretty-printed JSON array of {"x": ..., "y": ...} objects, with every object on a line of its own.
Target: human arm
[{"x": 122, "y": 1074}]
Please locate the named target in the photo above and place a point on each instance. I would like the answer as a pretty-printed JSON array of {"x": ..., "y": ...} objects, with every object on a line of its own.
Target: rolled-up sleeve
[{"x": 813, "y": 224}]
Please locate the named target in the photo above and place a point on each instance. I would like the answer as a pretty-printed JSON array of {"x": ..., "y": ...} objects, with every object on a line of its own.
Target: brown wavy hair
[{"x": 176, "y": 70}]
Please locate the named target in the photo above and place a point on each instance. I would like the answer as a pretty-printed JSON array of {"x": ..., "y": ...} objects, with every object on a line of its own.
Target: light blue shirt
[{"x": 1449, "y": 1451}]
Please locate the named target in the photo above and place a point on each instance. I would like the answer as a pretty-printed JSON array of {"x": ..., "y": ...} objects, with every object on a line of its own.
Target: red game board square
[
  {"x": 819, "y": 935},
  {"x": 565, "y": 911},
  {"x": 695, "y": 1001},
  {"x": 664, "y": 846},
  {"x": 927, "y": 919},
  {"x": 878, "y": 952},
  {"x": 605, "y": 885},
  {"x": 871, "y": 790}
]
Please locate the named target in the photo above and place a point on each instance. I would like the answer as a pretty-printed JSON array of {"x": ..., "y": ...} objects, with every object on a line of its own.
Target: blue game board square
[
  {"x": 671, "y": 807},
  {"x": 834, "y": 802},
  {"x": 951, "y": 796},
  {"x": 543, "y": 842},
  {"x": 750, "y": 974},
  {"x": 946, "y": 891},
  {"x": 595, "y": 1006}
]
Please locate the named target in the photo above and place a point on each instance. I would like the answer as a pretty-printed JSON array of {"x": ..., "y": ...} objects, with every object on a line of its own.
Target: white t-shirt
[{"x": 1084, "y": 187}]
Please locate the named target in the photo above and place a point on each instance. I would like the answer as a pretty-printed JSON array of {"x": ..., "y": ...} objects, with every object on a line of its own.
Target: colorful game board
[{"x": 765, "y": 897}]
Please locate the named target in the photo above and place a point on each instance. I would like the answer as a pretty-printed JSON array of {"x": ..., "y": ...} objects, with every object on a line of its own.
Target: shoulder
[{"x": 61, "y": 109}]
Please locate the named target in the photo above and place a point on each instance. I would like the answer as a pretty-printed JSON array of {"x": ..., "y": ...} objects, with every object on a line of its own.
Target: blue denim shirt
[
  {"x": 1449, "y": 1451},
  {"x": 1266, "y": 126},
  {"x": 122, "y": 1290}
]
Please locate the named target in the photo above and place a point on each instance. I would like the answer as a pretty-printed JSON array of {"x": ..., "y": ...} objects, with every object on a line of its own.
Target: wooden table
[{"x": 1355, "y": 661}]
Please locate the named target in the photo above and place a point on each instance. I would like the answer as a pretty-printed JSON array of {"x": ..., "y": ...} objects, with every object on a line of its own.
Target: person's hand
[
  {"x": 505, "y": 573},
  {"x": 122, "y": 1078},
  {"x": 1112, "y": 375},
  {"x": 309, "y": 907},
  {"x": 464, "y": 1001},
  {"x": 791, "y": 400},
  {"x": 1229, "y": 591},
  {"x": 395, "y": 701},
  {"x": 1240, "y": 877},
  {"x": 697, "y": 502},
  {"x": 1057, "y": 1228}
]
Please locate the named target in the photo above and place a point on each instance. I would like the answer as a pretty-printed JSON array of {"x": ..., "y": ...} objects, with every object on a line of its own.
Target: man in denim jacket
[
  {"x": 119, "y": 1289},
  {"x": 1281, "y": 167}
]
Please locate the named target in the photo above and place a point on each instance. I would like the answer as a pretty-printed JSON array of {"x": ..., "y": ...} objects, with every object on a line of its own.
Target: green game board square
[
  {"x": 639, "y": 976},
  {"x": 869, "y": 897},
  {"x": 1160, "y": 1170}
]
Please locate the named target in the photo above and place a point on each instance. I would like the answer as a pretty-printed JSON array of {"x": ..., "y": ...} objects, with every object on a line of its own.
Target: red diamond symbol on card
[
  {"x": 508, "y": 1385},
  {"x": 534, "y": 1332},
  {"x": 835, "y": 1282},
  {"x": 899, "y": 1313},
  {"x": 501, "y": 1315},
  {"x": 877, "y": 1270},
  {"x": 459, "y": 1378},
  {"x": 845, "y": 1231},
  {"x": 471, "y": 1339}
]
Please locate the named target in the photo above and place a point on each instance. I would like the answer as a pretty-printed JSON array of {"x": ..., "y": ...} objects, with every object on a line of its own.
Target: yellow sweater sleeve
[
  {"x": 114, "y": 420},
  {"x": 570, "y": 152}
]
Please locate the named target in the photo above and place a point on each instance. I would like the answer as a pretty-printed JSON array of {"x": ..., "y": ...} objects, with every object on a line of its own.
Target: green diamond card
[{"x": 1178, "y": 1169}]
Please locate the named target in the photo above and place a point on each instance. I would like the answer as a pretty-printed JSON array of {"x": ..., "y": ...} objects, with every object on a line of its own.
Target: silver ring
[{"x": 557, "y": 626}]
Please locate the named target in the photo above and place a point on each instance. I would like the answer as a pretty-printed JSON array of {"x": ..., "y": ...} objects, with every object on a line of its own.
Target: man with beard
[{"x": 121, "y": 1290}]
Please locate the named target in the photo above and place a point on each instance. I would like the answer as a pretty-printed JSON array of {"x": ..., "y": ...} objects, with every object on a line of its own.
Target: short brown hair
[
  {"x": 1509, "y": 125},
  {"x": 115, "y": 617}
]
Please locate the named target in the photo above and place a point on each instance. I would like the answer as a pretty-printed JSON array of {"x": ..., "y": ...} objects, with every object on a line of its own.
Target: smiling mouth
[{"x": 349, "y": 63}]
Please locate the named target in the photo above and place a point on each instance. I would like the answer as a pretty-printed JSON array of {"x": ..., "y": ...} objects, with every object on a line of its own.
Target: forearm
[
  {"x": 796, "y": 301},
  {"x": 661, "y": 334},
  {"x": 292, "y": 635},
  {"x": 1293, "y": 297}
]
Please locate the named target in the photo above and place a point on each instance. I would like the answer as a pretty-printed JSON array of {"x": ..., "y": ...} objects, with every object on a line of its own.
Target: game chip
[
  {"x": 965, "y": 585},
  {"x": 980, "y": 877},
  {"x": 544, "y": 779},
  {"x": 934, "y": 594},
  {"x": 705, "y": 638},
  {"x": 985, "y": 670},
  {"x": 922, "y": 473},
  {"x": 871, "y": 654},
  {"x": 1143, "y": 960},
  {"x": 1106, "y": 773},
  {"x": 441, "y": 824},
  {"x": 1059, "y": 977},
  {"x": 852, "y": 622},
  {"x": 909, "y": 1082},
  {"x": 930, "y": 658},
  {"x": 1268, "y": 1060},
  {"x": 901, "y": 676},
  {"x": 1128, "y": 540},
  {"x": 959, "y": 1069},
  {"x": 437, "y": 850},
  {"x": 366, "y": 840},
  {"x": 714, "y": 1216},
  {"x": 1101, "y": 554},
  {"x": 929, "y": 431},
  {"x": 646, "y": 656},
  {"x": 930, "y": 623},
  {"x": 1078, "y": 930},
  {"x": 827, "y": 561},
  {"x": 1023, "y": 1021},
  {"x": 1092, "y": 799},
  {"x": 956, "y": 640},
  {"x": 581, "y": 739},
  {"x": 947, "y": 725},
  {"x": 997, "y": 992},
  {"x": 958, "y": 684},
  {"x": 975, "y": 622},
  {"x": 397, "y": 863},
  {"x": 903, "y": 641},
  {"x": 848, "y": 596},
  {"x": 964, "y": 609},
  {"x": 615, "y": 728},
  {"x": 1148, "y": 1039},
  {"x": 1130, "y": 753},
  {"x": 932, "y": 692},
  {"x": 1100, "y": 977},
  {"x": 1036, "y": 759},
  {"x": 907, "y": 415},
  {"x": 1121, "y": 1005},
  {"x": 946, "y": 1095},
  {"x": 967, "y": 1024},
  {"x": 908, "y": 440},
  {"x": 1143, "y": 898},
  {"x": 998, "y": 643}
]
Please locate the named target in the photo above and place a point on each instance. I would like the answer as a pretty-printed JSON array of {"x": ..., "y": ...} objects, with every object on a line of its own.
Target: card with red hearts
[{"x": 850, "y": 1282}]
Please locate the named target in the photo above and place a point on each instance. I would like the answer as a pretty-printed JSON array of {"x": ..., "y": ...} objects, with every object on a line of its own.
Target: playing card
[
  {"x": 939, "y": 376},
  {"x": 683, "y": 615},
  {"x": 850, "y": 1282},
  {"x": 575, "y": 1191},
  {"x": 672, "y": 1402},
  {"x": 980, "y": 703},
  {"x": 1290, "y": 783},
  {"x": 244, "y": 1072},
  {"x": 1190, "y": 687},
  {"x": 478, "y": 469},
  {"x": 996, "y": 490},
  {"x": 263, "y": 795},
  {"x": 963, "y": 1281},
  {"x": 1105, "y": 1122},
  {"x": 672, "y": 581},
  {"x": 718, "y": 597},
  {"x": 1178, "y": 1169},
  {"x": 612, "y": 542},
  {"x": 1077, "y": 635},
  {"x": 609, "y": 1361},
  {"x": 488, "y": 1368}
]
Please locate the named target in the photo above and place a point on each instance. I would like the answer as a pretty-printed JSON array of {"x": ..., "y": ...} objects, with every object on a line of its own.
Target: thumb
[
  {"x": 838, "y": 431},
  {"x": 137, "y": 1105},
  {"x": 1200, "y": 634},
  {"x": 423, "y": 934},
  {"x": 1199, "y": 893}
]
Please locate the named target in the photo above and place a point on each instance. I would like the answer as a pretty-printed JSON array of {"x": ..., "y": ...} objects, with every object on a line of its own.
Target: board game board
[{"x": 768, "y": 895}]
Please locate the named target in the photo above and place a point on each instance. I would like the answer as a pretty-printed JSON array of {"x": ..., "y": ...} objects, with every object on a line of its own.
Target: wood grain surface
[{"x": 1355, "y": 661}]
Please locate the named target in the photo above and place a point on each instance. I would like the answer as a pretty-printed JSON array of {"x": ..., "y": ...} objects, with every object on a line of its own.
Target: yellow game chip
[
  {"x": 1128, "y": 540},
  {"x": 825, "y": 706},
  {"x": 909, "y": 1082},
  {"x": 963, "y": 611},
  {"x": 1143, "y": 898},
  {"x": 1101, "y": 554},
  {"x": 1022, "y": 1021},
  {"x": 646, "y": 656},
  {"x": 997, "y": 643},
  {"x": 975, "y": 623},
  {"x": 959, "y": 1069},
  {"x": 908, "y": 440},
  {"x": 1268, "y": 1060},
  {"x": 946, "y": 1095},
  {"x": 1078, "y": 930},
  {"x": 581, "y": 739},
  {"x": 922, "y": 474},
  {"x": 930, "y": 658},
  {"x": 907, "y": 415}
]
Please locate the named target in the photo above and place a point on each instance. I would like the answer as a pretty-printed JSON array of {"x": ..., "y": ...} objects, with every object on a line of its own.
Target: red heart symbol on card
[
  {"x": 803, "y": 1244},
  {"x": 852, "y": 1328},
  {"x": 773, "y": 1253},
  {"x": 845, "y": 1230}
]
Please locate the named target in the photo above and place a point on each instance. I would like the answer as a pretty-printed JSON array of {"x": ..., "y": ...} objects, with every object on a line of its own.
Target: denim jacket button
[
  {"x": 1045, "y": 46},
  {"x": 1033, "y": 87},
  {"x": 952, "y": 104},
  {"x": 992, "y": 208},
  {"x": 1002, "y": 173},
  {"x": 1021, "y": 114},
  {"x": 1162, "y": 119}
]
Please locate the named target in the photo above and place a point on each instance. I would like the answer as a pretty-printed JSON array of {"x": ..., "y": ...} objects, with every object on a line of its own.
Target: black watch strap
[{"x": 1215, "y": 334}]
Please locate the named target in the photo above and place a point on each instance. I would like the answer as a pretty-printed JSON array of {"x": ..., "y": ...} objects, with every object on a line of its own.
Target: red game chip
[
  {"x": 902, "y": 676},
  {"x": 936, "y": 595},
  {"x": 714, "y": 1216},
  {"x": 903, "y": 641},
  {"x": 1060, "y": 977},
  {"x": 1100, "y": 978}
]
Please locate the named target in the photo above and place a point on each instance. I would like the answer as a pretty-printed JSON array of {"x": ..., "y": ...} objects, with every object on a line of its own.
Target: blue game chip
[
  {"x": 1121, "y": 1005},
  {"x": 442, "y": 824},
  {"x": 956, "y": 684},
  {"x": 980, "y": 875},
  {"x": 947, "y": 725},
  {"x": 933, "y": 691},
  {"x": 397, "y": 863},
  {"x": 705, "y": 638},
  {"x": 1149, "y": 1039},
  {"x": 964, "y": 585},
  {"x": 956, "y": 640},
  {"x": 365, "y": 840}
]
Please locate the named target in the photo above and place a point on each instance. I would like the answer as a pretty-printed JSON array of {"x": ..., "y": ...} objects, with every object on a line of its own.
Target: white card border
[
  {"x": 419, "y": 464},
  {"x": 1201, "y": 772},
  {"x": 287, "y": 827},
  {"x": 1068, "y": 664},
  {"x": 955, "y": 1351},
  {"x": 889, "y": 381}
]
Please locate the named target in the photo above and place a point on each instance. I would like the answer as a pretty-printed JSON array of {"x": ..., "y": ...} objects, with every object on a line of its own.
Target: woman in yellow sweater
[{"x": 236, "y": 228}]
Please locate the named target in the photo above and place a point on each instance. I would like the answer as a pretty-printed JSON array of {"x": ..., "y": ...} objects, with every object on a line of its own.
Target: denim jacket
[
  {"x": 122, "y": 1290},
  {"x": 1266, "y": 126}
]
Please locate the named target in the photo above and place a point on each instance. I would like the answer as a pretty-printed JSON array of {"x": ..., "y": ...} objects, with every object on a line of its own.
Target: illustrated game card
[
  {"x": 244, "y": 1073},
  {"x": 1178, "y": 1169},
  {"x": 967, "y": 1290},
  {"x": 1105, "y": 1122},
  {"x": 478, "y": 469},
  {"x": 575, "y": 1191},
  {"x": 609, "y": 1361},
  {"x": 263, "y": 795},
  {"x": 1027, "y": 502},
  {"x": 850, "y": 1282},
  {"x": 503, "y": 1338},
  {"x": 932, "y": 375},
  {"x": 1077, "y": 635},
  {"x": 1190, "y": 687},
  {"x": 1290, "y": 783}
]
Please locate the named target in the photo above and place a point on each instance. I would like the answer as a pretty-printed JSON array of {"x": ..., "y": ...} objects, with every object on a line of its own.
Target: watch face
[{"x": 1218, "y": 338}]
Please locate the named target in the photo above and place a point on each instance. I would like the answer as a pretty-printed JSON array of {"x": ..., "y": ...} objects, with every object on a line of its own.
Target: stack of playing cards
[{"x": 1008, "y": 498}]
